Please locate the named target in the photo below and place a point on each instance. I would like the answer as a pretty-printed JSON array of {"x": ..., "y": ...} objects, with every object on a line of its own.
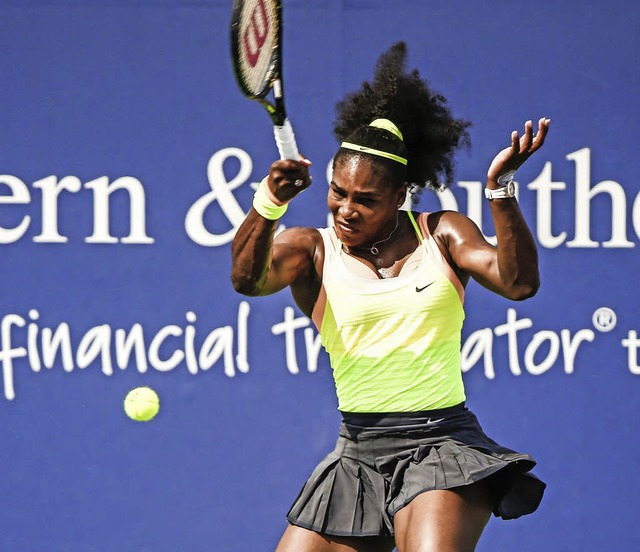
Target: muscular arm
[
  {"x": 262, "y": 264},
  {"x": 511, "y": 268}
]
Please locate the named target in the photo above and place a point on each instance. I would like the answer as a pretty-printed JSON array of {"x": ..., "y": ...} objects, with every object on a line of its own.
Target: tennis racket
[{"x": 256, "y": 51}]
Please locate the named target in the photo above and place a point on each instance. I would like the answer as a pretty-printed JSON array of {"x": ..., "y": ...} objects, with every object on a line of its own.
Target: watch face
[{"x": 508, "y": 190}]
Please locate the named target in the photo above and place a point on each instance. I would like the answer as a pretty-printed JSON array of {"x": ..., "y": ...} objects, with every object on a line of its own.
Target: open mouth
[{"x": 346, "y": 230}]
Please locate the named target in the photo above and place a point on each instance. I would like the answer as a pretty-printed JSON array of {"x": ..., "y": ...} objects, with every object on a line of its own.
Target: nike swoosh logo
[{"x": 419, "y": 289}]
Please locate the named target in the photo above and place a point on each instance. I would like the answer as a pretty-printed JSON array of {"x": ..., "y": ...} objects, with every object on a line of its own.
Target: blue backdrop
[{"x": 127, "y": 155}]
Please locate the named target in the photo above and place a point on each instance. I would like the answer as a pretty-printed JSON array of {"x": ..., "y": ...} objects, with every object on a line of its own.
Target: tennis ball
[{"x": 141, "y": 404}]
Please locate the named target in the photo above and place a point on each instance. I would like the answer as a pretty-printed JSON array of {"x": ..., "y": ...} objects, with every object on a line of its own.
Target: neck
[{"x": 374, "y": 248}]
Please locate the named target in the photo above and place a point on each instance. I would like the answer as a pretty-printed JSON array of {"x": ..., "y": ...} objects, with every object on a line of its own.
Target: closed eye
[{"x": 367, "y": 201}]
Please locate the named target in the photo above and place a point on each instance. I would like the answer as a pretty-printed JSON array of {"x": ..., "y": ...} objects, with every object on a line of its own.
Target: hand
[
  {"x": 511, "y": 158},
  {"x": 287, "y": 178}
]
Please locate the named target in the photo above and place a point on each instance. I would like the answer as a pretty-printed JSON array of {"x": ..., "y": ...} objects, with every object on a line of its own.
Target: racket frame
[{"x": 272, "y": 82}]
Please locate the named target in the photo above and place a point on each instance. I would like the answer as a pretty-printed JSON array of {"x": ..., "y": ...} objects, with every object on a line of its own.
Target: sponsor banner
[{"x": 129, "y": 158}]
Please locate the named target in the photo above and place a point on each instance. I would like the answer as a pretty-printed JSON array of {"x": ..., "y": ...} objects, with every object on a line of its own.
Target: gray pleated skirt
[{"x": 382, "y": 461}]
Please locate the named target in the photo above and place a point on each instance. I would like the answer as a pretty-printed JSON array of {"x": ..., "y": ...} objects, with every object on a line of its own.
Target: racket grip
[{"x": 286, "y": 141}]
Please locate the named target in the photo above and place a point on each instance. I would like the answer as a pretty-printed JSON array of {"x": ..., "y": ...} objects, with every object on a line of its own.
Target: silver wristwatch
[{"x": 508, "y": 190}]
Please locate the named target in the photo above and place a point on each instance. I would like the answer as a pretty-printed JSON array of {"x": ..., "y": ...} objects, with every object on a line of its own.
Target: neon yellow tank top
[{"x": 394, "y": 343}]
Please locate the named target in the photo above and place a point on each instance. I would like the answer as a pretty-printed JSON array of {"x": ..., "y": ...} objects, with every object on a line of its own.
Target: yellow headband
[
  {"x": 379, "y": 153},
  {"x": 384, "y": 124}
]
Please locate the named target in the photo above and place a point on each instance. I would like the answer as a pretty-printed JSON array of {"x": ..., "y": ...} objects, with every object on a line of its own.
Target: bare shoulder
[
  {"x": 456, "y": 236},
  {"x": 299, "y": 237},
  {"x": 304, "y": 249},
  {"x": 447, "y": 226},
  {"x": 301, "y": 243},
  {"x": 299, "y": 233}
]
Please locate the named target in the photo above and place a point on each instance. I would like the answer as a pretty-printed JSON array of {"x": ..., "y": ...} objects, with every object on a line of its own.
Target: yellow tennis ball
[{"x": 141, "y": 404}]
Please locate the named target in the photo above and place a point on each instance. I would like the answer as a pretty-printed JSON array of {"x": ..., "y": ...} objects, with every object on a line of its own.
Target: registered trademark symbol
[{"x": 604, "y": 319}]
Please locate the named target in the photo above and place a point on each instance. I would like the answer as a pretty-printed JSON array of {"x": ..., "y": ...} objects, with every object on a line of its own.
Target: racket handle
[{"x": 286, "y": 141}]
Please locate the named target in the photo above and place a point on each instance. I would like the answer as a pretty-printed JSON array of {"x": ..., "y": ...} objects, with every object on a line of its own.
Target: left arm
[{"x": 511, "y": 268}]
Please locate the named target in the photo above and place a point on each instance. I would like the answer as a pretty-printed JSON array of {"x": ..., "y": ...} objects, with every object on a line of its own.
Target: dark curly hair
[{"x": 431, "y": 134}]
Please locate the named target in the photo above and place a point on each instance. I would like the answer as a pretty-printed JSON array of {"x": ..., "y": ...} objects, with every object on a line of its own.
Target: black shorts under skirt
[{"x": 382, "y": 461}]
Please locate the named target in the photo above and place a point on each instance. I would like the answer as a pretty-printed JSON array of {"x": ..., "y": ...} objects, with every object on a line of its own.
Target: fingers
[
  {"x": 543, "y": 129},
  {"x": 529, "y": 143},
  {"x": 515, "y": 142},
  {"x": 521, "y": 148},
  {"x": 290, "y": 170},
  {"x": 523, "y": 145},
  {"x": 289, "y": 177}
]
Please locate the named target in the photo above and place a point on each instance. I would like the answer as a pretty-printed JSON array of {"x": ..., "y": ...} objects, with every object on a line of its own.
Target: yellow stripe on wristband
[{"x": 265, "y": 206}]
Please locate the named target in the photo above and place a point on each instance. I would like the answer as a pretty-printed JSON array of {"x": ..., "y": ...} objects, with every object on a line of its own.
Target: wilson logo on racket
[{"x": 256, "y": 33}]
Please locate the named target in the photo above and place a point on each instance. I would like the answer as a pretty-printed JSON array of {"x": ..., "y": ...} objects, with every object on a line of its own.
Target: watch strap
[{"x": 508, "y": 190}]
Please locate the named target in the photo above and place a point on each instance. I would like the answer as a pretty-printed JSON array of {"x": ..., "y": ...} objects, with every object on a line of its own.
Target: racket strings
[{"x": 257, "y": 44}]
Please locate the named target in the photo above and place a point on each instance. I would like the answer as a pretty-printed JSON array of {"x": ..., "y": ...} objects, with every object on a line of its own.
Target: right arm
[{"x": 262, "y": 265}]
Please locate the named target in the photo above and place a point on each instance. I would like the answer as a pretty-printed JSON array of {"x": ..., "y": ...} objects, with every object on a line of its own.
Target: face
[{"x": 363, "y": 202}]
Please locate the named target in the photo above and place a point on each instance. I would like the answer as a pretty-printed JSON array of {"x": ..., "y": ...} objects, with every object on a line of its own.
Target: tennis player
[{"x": 385, "y": 287}]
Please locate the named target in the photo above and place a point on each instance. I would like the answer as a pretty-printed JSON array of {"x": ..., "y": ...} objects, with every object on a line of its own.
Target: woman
[{"x": 385, "y": 287}]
